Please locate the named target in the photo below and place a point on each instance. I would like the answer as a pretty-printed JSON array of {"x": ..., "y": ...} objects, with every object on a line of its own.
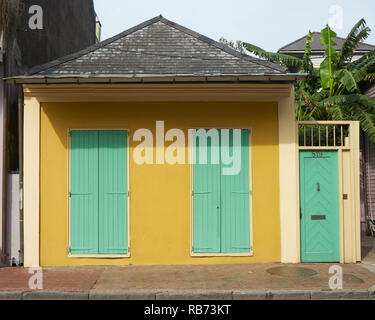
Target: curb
[
  {"x": 54, "y": 295},
  {"x": 340, "y": 295},
  {"x": 122, "y": 295},
  {"x": 11, "y": 295},
  {"x": 192, "y": 295}
]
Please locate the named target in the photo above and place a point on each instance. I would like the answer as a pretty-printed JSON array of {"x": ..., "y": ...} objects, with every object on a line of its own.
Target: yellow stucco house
[{"x": 111, "y": 138}]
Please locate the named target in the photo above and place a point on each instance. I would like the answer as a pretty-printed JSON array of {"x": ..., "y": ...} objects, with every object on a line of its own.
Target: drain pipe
[
  {"x": 5, "y": 167},
  {"x": 20, "y": 151}
]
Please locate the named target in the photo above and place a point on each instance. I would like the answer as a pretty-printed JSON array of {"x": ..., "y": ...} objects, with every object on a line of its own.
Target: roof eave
[{"x": 143, "y": 78}]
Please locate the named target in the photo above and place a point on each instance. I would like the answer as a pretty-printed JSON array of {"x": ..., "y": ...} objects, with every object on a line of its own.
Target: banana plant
[{"x": 333, "y": 91}]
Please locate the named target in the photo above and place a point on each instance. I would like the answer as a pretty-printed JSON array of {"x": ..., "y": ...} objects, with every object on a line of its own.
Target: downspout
[
  {"x": 20, "y": 150},
  {"x": 4, "y": 169}
]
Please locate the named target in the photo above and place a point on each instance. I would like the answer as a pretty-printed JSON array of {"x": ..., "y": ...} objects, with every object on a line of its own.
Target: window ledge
[
  {"x": 99, "y": 256},
  {"x": 208, "y": 255}
]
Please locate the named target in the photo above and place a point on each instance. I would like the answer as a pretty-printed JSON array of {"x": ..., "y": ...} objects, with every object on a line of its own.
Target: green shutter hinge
[
  {"x": 192, "y": 193},
  {"x": 70, "y": 194}
]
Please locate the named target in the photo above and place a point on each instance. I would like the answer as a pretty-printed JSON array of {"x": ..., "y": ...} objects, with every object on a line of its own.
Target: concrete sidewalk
[{"x": 216, "y": 282}]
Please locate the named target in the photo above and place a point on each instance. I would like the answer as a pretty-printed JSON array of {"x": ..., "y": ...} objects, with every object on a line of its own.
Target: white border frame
[
  {"x": 98, "y": 256},
  {"x": 251, "y": 210}
]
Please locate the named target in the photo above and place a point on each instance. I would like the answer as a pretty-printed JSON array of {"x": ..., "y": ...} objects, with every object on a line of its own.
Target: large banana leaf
[
  {"x": 326, "y": 67},
  {"x": 347, "y": 79}
]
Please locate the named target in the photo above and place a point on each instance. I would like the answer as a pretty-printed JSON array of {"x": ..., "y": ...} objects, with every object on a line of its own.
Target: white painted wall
[{"x": 317, "y": 60}]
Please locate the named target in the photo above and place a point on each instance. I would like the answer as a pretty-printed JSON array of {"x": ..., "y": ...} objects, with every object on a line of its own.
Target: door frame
[
  {"x": 191, "y": 156},
  {"x": 349, "y": 183},
  {"x": 96, "y": 256}
]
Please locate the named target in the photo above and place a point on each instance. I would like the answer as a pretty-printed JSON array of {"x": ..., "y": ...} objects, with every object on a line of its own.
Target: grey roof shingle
[
  {"x": 158, "y": 47},
  {"x": 300, "y": 45}
]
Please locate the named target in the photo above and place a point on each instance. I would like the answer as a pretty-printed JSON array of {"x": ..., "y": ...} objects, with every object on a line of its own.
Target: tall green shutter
[
  {"x": 84, "y": 192},
  {"x": 235, "y": 203},
  {"x": 99, "y": 192},
  {"x": 113, "y": 192},
  {"x": 221, "y": 221},
  {"x": 206, "y": 178}
]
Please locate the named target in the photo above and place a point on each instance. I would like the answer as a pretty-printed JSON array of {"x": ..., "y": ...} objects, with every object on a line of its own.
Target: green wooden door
[
  {"x": 221, "y": 202},
  {"x": 206, "y": 192},
  {"x": 113, "y": 192},
  {"x": 319, "y": 201},
  {"x": 99, "y": 192},
  {"x": 235, "y": 204},
  {"x": 84, "y": 192}
]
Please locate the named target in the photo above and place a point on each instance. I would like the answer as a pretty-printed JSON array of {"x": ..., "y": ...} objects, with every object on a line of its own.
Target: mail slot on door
[{"x": 318, "y": 217}]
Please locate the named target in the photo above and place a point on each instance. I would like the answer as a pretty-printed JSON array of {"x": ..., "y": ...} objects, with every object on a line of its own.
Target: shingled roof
[
  {"x": 300, "y": 44},
  {"x": 157, "y": 48}
]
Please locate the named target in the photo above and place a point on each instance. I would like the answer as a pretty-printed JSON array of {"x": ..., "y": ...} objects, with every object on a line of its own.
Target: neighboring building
[
  {"x": 97, "y": 188},
  {"x": 297, "y": 48},
  {"x": 67, "y": 26},
  {"x": 368, "y": 154}
]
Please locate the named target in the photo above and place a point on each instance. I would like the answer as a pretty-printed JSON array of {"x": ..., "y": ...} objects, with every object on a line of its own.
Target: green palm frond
[
  {"x": 362, "y": 61},
  {"x": 361, "y": 73},
  {"x": 351, "y": 99},
  {"x": 370, "y": 77},
  {"x": 283, "y": 59},
  {"x": 358, "y": 34},
  {"x": 338, "y": 113},
  {"x": 367, "y": 121}
]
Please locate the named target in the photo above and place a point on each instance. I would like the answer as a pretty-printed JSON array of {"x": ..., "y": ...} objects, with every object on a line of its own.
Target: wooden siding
[{"x": 369, "y": 158}]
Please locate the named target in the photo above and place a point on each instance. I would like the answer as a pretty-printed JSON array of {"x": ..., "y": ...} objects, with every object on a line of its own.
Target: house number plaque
[{"x": 317, "y": 154}]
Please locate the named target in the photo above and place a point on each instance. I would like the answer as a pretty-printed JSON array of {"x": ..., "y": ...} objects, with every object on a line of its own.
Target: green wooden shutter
[
  {"x": 235, "y": 202},
  {"x": 84, "y": 192},
  {"x": 113, "y": 192},
  {"x": 206, "y": 200}
]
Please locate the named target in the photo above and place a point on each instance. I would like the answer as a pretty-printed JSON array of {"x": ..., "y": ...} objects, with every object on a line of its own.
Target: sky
[{"x": 269, "y": 24}]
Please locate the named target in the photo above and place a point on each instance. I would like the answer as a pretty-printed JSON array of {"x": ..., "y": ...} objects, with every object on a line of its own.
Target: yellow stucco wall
[{"x": 160, "y": 194}]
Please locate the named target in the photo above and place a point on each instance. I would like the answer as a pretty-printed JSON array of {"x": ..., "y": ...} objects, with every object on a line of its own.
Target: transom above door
[{"x": 221, "y": 198}]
